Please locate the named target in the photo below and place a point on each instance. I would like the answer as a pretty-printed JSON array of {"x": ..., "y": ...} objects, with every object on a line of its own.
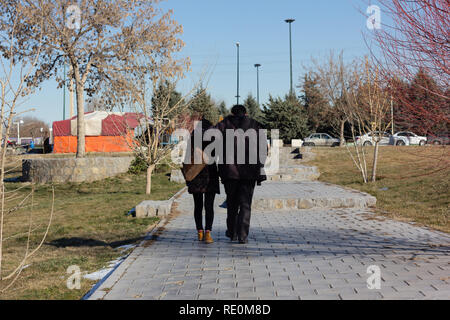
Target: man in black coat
[{"x": 242, "y": 169}]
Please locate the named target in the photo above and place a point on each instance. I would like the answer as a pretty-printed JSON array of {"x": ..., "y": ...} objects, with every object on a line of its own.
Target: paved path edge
[{"x": 109, "y": 280}]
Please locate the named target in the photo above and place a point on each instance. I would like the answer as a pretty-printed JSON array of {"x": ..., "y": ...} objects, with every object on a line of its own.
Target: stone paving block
[
  {"x": 309, "y": 297},
  {"x": 150, "y": 208},
  {"x": 328, "y": 296},
  {"x": 412, "y": 295},
  {"x": 284, "y": 292},
  {"x": 227, "y": 291},
  {"x": 289, "y": 297},
  {"x": 361, "y": 296}
]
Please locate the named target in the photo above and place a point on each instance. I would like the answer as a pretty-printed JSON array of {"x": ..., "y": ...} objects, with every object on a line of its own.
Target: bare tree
[
  {"x": 13, "y": 91},
  {"x": 148, "y": 92},
  {"x": 96, "y": 104},
  {"x": 333, "y": 77},
  {"x": 367, "y": 107},
  {"x": 359, "y": 97},
  {"x": 97, "y": 39},
  {"x": 415, "y": 43},
  {"x": 31, "y": 127}
]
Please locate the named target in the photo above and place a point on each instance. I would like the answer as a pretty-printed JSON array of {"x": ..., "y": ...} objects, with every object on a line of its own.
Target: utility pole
[
  {"x": 18, "y": 131},
  {"x": 237, "y": 95},
  {"x": 257, "y": 65},
  {"x": 392, "y": 115},
  {"x": 289, "y": 21},
  {"x": 64, "y": 92},
  {"x": 71, "y": 92}
]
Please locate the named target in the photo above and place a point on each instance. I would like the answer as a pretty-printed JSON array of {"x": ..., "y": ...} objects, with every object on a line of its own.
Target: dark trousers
[
  {"x": 239, "y": 204},
  {"x": 208, "y": 204}
]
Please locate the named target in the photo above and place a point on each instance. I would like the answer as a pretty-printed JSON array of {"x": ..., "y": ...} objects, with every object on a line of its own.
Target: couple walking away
[{"x": 239, "y": 179}]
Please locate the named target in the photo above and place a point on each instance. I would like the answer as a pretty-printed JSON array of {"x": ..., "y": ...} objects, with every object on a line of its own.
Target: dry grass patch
[
  {"x": 89, "y": 224},
  {"x": 412, "y": 184}
]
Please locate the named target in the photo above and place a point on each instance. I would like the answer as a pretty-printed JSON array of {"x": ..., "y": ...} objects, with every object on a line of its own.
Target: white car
[
  {"x": 406, "y": 138},
  {"x": 370, "y": 138}
]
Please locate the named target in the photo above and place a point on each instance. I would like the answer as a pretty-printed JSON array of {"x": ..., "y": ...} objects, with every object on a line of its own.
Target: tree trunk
[
  {"x": 341, "y": 134},
  {"x": 150, "y": 169},
  {"x": 81, "y": 132},
  {"x": 375, "y": 162},
  {"x": 71, "y": 92}
]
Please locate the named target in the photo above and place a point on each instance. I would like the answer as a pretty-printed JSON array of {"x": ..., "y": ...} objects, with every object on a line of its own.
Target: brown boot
[
  {"x": 208, "y": 238},
  {"x": 200, "y": 235}
]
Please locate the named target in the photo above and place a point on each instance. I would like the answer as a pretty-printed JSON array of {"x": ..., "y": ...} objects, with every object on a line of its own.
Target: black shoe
[
  {"x": 232, "y": 238},
  {"x": 243, "y": 241},
  {"x": 223, "y": 205}
]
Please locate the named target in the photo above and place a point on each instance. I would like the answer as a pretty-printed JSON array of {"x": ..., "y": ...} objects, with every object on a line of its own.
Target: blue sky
[{"x": 211, "y": 29}]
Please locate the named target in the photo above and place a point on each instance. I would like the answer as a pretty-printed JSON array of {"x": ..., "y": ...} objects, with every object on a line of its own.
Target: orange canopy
[{"x": 68, "y": 144}]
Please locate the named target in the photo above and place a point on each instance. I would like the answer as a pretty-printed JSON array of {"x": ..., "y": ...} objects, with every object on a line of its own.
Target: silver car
[
  {"x": 321, "y": 139},
  {"x": 370, "y": 138}
]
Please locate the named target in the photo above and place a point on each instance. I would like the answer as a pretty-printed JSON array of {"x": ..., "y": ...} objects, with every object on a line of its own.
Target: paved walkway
[{"x": 291, "y": 254}]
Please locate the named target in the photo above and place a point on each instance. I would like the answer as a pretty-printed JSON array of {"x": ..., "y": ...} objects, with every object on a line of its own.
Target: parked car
[
  {"x": 406, "y": 138},
  {"x": 369, "y": 138},
  {"x": 321, "y": 139},
  {"x": 9, "y": 143},
  {"x": 439, "y": 139}
]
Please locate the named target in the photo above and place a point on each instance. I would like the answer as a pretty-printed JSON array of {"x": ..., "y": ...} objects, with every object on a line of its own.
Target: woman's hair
[{"x": 206, "y": 124}]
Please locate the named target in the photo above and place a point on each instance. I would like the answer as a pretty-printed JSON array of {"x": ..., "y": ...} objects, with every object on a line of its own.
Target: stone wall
[{"x": 61, "y": 170}]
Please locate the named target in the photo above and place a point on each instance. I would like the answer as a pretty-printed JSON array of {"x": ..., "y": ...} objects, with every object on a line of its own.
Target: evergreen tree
[
  {"x": 223, "y": 110},
  {"x": 202, "y": 104},
  {"x": 288, "y": 116},
  {"x": 252, "y": 107},
  {"x": 166, "y": 96},
  {"x": 316, "y": 105}
]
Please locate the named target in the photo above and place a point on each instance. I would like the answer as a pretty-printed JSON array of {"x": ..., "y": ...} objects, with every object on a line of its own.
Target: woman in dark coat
[{"x": 204, "y": 188}]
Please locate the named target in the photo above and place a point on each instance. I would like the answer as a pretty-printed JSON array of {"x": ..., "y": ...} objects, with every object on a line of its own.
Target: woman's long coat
[{"x": 208, "y": 179}]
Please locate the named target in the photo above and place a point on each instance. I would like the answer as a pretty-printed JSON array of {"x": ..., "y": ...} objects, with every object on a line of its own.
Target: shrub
[{"x": 138, "y": 165}]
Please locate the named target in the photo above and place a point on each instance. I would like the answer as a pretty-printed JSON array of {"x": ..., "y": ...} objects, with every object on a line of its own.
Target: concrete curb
[
  {"x": 98, "y": 292},
  {"x": 264, "y": 205},
  {"x": 327, "y": 198},
  {"x": 155, "y": 208}
]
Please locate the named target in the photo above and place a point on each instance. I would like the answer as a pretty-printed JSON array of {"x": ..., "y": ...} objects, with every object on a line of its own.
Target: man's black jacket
[{"x": 246, "y": 170}]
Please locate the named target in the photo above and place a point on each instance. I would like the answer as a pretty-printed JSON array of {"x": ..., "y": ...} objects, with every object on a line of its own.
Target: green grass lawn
[
  {"x": 412, "y": 184},
  {"x": 89, "y": 223}
]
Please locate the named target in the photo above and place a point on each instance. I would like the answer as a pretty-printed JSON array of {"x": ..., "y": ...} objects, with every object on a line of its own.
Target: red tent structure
[{"x": 105, "y": 132}]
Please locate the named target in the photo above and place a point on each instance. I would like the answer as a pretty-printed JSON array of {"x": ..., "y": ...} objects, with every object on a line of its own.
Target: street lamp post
[
  {"x": 257, "y": 65},
  {"x": 289, "y": 21},
  {"x": 18, "y": 130},
  {"x": 392, "y": 115},
  {"x": 237, "y": 95},
  {"x": 64, "y": 92}
]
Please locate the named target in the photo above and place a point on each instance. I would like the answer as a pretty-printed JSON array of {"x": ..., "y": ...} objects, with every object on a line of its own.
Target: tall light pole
[
  {"x": 237, "y": 95},
  {"x": 257, "y": 65},
  {"x": 289, "y": 21},
  {"x": 392, "y": 115},
  {"x": 64, "y": 92},
  {"x": 71, "y": 113},
  {"x": 18, "y": 130}
]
